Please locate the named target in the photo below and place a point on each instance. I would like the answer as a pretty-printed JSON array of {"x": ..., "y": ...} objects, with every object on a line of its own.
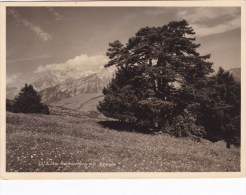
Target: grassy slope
[
  {"x": 81, "y": 102},
  {"x": 67, "y": 143}
]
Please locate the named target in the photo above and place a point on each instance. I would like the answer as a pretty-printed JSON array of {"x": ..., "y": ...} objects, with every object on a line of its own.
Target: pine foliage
[
  {"x": 29, "y": 101},
  {"x": 162, "y": 83}
]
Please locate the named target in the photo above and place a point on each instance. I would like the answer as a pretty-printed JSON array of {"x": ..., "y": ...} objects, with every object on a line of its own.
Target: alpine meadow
[{"x": 156, "y": 102}]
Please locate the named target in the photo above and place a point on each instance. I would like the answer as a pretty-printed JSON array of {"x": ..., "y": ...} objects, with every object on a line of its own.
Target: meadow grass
[{"x": 51, "y": 143}]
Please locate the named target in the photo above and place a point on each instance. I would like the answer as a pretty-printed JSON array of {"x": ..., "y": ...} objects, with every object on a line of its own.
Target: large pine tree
[{"x": 159, "y": 74}]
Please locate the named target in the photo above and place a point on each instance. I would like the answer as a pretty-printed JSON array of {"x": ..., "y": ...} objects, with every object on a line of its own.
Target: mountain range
[{"x": 57, "y": 86}]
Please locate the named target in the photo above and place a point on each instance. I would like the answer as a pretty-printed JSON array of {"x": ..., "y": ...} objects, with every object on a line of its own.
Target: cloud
[
  {"x": 207, "y": 21},
  {"x": 205, "y": 14},
  {"x": 203, "y": 30},
  {"x": 55, "y": 14},
  {"x": 35, "y": 28},
  {"x": 14, "y": 80},
  {"x": 155, "y": 11},
  {"x": 28, "y": 58},
  {"x": 79, "y": 63}
]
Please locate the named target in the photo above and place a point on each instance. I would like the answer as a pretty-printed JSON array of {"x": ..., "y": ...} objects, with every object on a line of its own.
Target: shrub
[{"x": 184, "y": 125}]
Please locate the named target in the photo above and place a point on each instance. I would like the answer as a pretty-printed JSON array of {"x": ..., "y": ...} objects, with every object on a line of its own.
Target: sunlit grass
[{"x": 66, "y": 143}]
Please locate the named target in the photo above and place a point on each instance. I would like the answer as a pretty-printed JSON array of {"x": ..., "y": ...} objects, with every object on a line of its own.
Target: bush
[{"x": 184, "y": 125}]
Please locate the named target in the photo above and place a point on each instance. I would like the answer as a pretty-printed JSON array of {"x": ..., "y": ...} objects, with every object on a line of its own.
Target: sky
[{"x": 42, "y": 39}]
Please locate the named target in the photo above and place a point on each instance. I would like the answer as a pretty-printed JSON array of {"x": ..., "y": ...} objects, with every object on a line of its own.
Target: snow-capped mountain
[
  {"x": 60, "y": 86},
  {"x": 53, "y": 78}
]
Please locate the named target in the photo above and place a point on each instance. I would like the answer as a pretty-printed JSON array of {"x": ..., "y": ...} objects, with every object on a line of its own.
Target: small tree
[
  {"x": 221, "y": 114},
  {"x": 29, "y": 101}
]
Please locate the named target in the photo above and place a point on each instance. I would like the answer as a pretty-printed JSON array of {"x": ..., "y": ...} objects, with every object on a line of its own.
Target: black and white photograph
[{"x": 118, "y": 89}]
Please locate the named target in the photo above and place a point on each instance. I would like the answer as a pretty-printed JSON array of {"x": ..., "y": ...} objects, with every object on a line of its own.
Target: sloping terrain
[
  {"x": 85, "y": 104},
  {"x": 63, "y": 143}
]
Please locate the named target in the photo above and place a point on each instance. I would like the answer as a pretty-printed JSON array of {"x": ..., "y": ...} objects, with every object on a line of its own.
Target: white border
[{"x": 122, "y": 175}]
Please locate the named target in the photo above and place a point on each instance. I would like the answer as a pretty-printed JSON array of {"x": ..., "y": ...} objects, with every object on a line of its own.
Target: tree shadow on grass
[{"x": 124, "y": 126}]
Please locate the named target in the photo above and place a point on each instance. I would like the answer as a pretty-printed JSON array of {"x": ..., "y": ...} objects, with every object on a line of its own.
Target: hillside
[
  {"x": 85, "y": 104},
  {"x": 81, "y": 144},
  {"x": 81, "y": 102}
]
